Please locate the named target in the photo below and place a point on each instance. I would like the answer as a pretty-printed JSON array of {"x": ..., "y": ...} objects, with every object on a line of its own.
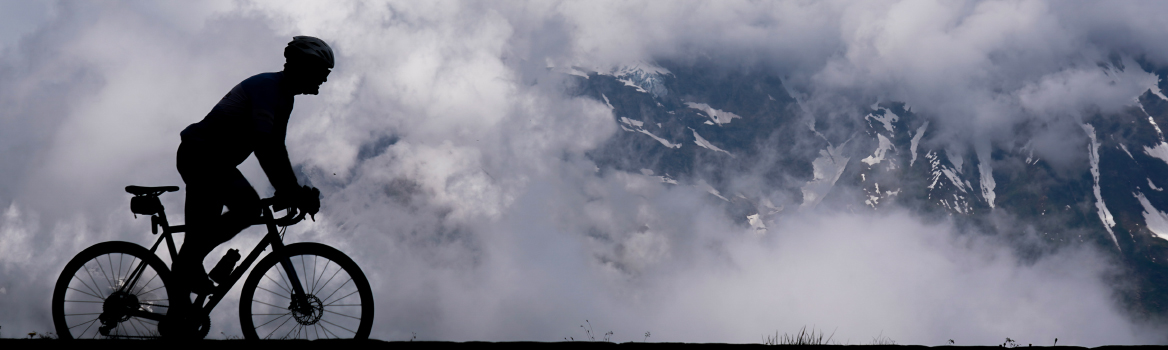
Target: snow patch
[
  {"x": 1153, "y": 186},
  {"x": 1154, "y": 88},
  {"x": 1124, "y": 148},
  {"x": 1160, "y": 151},
  {"x": 1156, "y": 220},
  {"x": 956, "y": 161},
  {"x": 606, "y": 101},
  {"x": 706, "y": 144},
  {"x": 574, "y": 71},
  {"x": 826, "y": 170},
  {"x": 987, "y": 178},
  {"x": 874, "y": 197},
  {"x": 1104, "y": 214},
  {"x": 887, "y": 119},
  {"x": 881, "y": 150},
  {"x": 1152, "y": 121},
  {"x": 916, "y": 140},
  {"x": 643, "y": 76},
  {"x": 718, "y": 116},
  {"x": 636, "y": 123},
  {"x": 951, "y": 174},
  {"x": 705, "y": 186},
  {"x": 631, "y": 84},
  {"x": 661, "y": 140}
]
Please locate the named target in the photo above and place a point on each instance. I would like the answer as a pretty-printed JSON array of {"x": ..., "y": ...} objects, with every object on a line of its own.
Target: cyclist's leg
[
  {"x": 211, "y": 185},
  {"x": 202, "y": 210},
  {"x": 243, "y": 207},
  {"x": 205, "y": 202}
]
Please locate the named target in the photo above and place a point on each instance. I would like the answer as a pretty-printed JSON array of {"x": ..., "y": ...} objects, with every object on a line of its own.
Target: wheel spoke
[
  {"x": 83, "y": 323},
  {"x": 112, "y": 273},
  {"x": 338, "y": 289},
  {"x": 294, "y": 327},
  {"x": 96, "y": 285},
  {"x": 278, "y": 284},
  {"x": 109, "y": 281},
  {"x": 338, "y": 326},
  {"x": 340, "y": 314},
  {"x": 343, "y": 298},
  {"x": 323, "y": 271},
  {"x": 148, "y": 326},
  {"x": 277, "y": 328},
  {"x": 331, "y": 279},
  {"x": 147, "y": 284},
  {"x": 304, "y": 274},
  {"x": 327, "y": 331},
  {"x": 274, "y": 319},
  {"x": 131, "y": 322},
  {"x": 90, "y": 323},
  {"x": 278, "y": 307},
  {"x": 152, "y": 290},
  {"x": 121, "y": 259},
  {"x": 269, "y": 291},
  {"x": 83, "y": 292},
  {"x": 313, "y": 288}
]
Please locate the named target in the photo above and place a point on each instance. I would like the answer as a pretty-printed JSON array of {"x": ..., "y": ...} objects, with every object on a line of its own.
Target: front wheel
[
  {"x": 111, "y": 290},
  {"x": 337, "y": 304}
]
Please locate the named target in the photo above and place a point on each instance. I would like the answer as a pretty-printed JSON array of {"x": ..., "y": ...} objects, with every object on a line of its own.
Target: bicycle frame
[{"x": 272, "y": 238}]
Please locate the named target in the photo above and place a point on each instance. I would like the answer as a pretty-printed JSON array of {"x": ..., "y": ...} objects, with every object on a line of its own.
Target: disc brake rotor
[{"x": 307, "y": 311}]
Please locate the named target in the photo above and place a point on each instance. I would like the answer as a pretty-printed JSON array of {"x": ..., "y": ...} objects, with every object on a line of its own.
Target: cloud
[{"x": 452, "y": 158}]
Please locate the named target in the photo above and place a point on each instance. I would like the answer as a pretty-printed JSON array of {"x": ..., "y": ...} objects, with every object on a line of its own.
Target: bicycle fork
[{"x": 303, "y": 304}]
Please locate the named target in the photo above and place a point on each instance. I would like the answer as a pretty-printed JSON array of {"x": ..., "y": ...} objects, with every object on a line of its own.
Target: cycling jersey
[{"x": 252, "y": 117}]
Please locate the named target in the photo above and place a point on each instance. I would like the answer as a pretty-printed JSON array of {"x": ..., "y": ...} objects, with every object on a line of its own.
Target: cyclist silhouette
[{"x": 252, "y": 117}]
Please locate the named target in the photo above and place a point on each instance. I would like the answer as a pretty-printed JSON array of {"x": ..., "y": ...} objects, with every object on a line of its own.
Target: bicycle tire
[
  {"x": 345, "y": 312},
  {"x": 88, "y": 285}
]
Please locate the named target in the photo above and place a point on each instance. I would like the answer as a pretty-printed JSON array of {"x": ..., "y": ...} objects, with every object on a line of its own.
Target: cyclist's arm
[
  {"x": 270, "y": 123},
  {"x": 273, "y": 155}
]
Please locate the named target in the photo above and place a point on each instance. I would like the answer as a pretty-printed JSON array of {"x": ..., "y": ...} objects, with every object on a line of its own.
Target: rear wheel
[
  {"x": 338, "y": 302},
  {"x": 111, "y": 290}
]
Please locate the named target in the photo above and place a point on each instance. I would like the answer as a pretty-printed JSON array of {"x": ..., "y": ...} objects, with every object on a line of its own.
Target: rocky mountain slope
[{"x": 691, "y": 125}]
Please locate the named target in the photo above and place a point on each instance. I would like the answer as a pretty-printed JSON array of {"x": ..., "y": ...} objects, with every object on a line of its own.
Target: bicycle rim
[
  {"x": 338, "y": 303},
  {"x": 94, "y": 298}
]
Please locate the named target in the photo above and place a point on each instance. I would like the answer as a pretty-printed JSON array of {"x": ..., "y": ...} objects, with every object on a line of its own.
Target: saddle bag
[{"x": 145, "y": 205}]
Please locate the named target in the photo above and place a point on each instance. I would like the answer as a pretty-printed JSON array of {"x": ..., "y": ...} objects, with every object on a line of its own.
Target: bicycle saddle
[{"x": 142, "y": 190}]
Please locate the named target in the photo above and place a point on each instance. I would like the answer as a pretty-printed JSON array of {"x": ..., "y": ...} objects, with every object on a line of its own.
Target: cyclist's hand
[{"x": 309, "y": 201}]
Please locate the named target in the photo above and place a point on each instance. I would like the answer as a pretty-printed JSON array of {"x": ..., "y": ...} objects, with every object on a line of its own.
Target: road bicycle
[{"x": 298, "y": 291}]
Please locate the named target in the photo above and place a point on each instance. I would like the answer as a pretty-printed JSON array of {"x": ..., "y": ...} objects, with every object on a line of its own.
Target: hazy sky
[{"x": 479, "y": 222}]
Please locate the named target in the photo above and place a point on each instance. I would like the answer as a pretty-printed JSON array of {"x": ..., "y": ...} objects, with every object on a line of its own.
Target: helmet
[{"x": 309, "y": 47}]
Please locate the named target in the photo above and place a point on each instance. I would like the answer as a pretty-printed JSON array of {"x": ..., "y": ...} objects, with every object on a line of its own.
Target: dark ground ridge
[{"x": 380, "y": 344}]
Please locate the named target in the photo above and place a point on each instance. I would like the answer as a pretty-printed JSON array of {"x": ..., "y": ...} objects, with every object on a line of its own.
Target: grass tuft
[{"x": 803, "y": 337}]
